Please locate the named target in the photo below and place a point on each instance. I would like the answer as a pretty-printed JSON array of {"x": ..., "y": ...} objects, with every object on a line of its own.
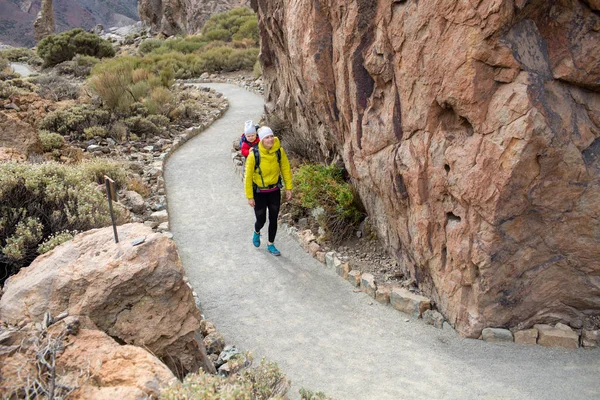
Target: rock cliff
[
  {"x": 172, "y": 17},
  {"x": 44, "y": 24},
  {"x": 471, "y": 129}
]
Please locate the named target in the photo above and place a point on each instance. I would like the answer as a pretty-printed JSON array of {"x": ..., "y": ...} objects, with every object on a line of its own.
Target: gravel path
[
  {"x": 21, "y": 69},
  {"x": 292, "y": 310}
]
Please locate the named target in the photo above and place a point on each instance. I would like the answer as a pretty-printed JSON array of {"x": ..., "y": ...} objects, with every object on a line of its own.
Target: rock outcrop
[
  {"x": 89, "y": 364},
  {"x": 172, "y": 17},
  {"x": 134, "y": 293},
  {"x": 44, "y": 24},
  {"x": 18, "y": 135},
  {"x": 471, "y": 130}
]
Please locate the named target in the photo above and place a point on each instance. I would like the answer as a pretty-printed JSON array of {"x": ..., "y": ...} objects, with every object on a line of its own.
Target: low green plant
[
  {"x": 94, "y": 131},
  {"x": 238, "y": 23},
  {"x": 38, "y": 201},
  {"x": 245, "y": 383},
  {"x": 141, "y": 126},
  {"x": 322, "y": 186},
  {"x": 55, "y": 240},
  {"x": 4, "y": 64},
  {"x": 257, "y": 69},
  {"x": 51, "y": 140},
  {"x": 21, "y": 54},
  {"x": 56, "y": 88},
  {"x": 72, "y": 121},
  {"x": 64, "y": 46},
  {"x": 310, "y": 395}
]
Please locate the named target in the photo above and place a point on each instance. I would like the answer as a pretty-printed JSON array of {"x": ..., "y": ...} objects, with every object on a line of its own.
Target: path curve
[{"x": 294, "y": 311}]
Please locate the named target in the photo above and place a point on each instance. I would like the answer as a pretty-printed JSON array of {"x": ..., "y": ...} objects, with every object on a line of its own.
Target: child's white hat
[{"x": 249, "y": 127}]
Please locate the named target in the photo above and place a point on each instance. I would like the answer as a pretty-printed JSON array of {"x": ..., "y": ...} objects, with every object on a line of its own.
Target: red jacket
[{"x": 246, "y": 145}]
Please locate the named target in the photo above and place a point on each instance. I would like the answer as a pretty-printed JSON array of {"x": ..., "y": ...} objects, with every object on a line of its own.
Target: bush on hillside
[
  {"x": 322, "y": 186},
  {"x": 56, "y": 88},
  {"x": 4, "y": 63},
  {"x": 64, "y": 46},
  {"x": 72, "y": 121},
  {"x": 51, "y": 140},
  {"x": 21, "y": 54},
  {"x": 260, "y": 383},
  {"x": 238, "y": 23},
  {"x": 38, "y": 201}
]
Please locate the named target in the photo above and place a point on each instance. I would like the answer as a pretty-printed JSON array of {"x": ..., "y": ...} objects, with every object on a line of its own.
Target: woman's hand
[
  {"x": 251, "y": 202},
  {"x": 288, "y": 195}
]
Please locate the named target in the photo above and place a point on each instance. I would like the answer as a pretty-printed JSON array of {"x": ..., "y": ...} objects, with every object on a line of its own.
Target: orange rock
[{"x": 472, "y": 134}]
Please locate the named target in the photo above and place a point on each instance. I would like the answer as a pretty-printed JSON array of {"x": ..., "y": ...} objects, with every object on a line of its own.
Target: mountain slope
[{"x": 16, "y": 17}]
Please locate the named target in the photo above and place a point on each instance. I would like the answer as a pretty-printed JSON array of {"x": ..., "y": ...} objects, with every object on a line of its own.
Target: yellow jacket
[{"x": 269, "y": 167}]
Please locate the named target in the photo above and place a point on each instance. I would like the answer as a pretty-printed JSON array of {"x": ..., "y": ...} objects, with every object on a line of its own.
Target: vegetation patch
[
  {"x": 321, "y": 189},
  {"x": 64, "y": 46},
  {"x": 40, "y": 202}
]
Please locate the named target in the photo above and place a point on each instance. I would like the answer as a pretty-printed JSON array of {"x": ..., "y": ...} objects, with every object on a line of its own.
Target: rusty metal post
[{"x": 111, "y": 195}]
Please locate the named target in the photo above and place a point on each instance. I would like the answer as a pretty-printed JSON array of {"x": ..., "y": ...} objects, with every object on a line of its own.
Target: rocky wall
[
  {"x": 471, "y": 129},
  {"x": 173, "y": 17}
]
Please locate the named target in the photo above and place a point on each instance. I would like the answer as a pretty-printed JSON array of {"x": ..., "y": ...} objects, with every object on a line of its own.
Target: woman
[{"x": 265, "y": 165}]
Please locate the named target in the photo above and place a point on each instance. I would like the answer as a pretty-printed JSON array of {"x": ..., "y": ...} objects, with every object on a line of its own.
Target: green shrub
[
  {"x": 74, "y": 120},
  {"x": 167, "y": 76},
  {"x": 64, "y": 46},
  {"x": 21, "y": 54},
  {"x": 51, "y": 140},
  {"x": 94, "y": 131},
  {"x": 112, "y": 85},
  {"x": 243, "y": 59},
  {"x": 160, "y": 102},
  {"x": 41, "y": 200},
  {"x": 159, "y": 120},
  {"x": 141, "y": 126},
  {"x": 149, "y": 45},
  {"x": 56, "y": 88},
  {"x": 140, "y": 90},
  {"x": 239, "y": 22},
  {"x": 4, "y": 63},
  {"x": 322, "y": 186},
  {"x": 55, "y": 240},
  {"x": 213, "y": 60},
  {"x": 310, "y": 395},
  {"x": 263, "y": 382}
]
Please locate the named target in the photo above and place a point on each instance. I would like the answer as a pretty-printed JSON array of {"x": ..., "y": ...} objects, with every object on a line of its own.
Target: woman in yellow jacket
[{"x": 263, "y": 184}]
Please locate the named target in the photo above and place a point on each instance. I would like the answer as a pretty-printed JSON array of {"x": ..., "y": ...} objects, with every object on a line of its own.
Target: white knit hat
[
  {"x": 264, "y": 131},
  {"x": 249, "y": 127}
]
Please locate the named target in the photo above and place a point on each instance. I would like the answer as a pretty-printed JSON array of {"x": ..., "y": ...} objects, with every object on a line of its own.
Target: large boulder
[
  {"x": 18, "y": 135},
  {"x": 471, "y": 130},
  {"x": 133, "y": 292},
  {"x": 172, "y": 17},
  {"x": 44, "y": 24},
  {"x": 87, "y": 362}
]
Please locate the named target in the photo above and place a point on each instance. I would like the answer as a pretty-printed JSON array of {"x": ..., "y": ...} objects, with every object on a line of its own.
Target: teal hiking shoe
[
  {"x": 256, "y": 239},
  {"x": 273, "y": 250}
]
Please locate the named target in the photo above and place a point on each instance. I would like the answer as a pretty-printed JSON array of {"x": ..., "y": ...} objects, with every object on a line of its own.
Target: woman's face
[
  {"x": 251, "y": 137},
  {"x": 268, "y": 141}
]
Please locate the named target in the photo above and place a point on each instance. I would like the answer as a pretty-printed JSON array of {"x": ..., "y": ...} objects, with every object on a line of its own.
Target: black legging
[{"x": 262, "y": 201}]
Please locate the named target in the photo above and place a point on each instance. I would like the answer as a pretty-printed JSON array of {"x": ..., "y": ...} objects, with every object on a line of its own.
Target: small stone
[
  {"x": 164, "y": 226},
  {"x": 342, "y": 269},
  {"x": 526, "y": 336},
  {"x": 367, "y": 284},
  {"x": 354, "y": 278},
  {"x": 432, "y": 317},
  {"x": 94, "y": 148},
  {"x": 168, "y": 235},
  {"x": 497, "y": 335},
  {"x": 383, "y": 294},
  {"x": 313, "y": 248},
  {"x": 553, "y": 337},
  {"x": 590, "y": 339},
  {"x": 409, "y": 303},
  {"x": 160, "y": 216},
  {"x": 207, "y": 327},
  {"x": 320, "y": 256},
  {"x": 214, "y": 343}
]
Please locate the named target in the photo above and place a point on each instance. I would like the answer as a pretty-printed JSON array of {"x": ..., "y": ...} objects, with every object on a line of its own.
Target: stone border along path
[{"x": 293, "y": 311}]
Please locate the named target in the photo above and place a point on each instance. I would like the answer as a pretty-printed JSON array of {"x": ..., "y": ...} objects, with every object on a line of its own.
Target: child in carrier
[{"x": 249, "y": 139}]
